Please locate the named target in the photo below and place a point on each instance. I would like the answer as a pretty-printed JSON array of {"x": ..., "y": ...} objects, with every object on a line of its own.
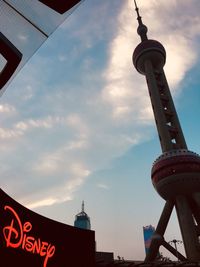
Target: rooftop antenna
[
  {"x": 83, "y": 206},
  {"x": 142, "y": 29}
]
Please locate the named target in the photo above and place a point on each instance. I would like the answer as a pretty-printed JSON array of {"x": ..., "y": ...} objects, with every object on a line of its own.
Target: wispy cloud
[
  {"x": 7, "y": 133},
  {"x": 42, "y": 203},
  {"x": 6, "y": 108},
  {"x": 64, "y": 192},
  {"x": 103, "y": 186}
]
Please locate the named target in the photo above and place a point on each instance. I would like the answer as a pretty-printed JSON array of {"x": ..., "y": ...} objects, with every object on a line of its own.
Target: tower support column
[
  {"x": 157, "y": 106},
  {"x": 158, "y": 236},
  {"x": 188, "y": 228}
]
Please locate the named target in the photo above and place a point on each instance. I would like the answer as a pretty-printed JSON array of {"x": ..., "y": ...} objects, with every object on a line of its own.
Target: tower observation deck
[{"x": 176, "y": 173}]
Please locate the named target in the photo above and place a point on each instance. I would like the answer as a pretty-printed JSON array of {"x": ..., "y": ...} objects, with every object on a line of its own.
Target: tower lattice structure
[{"x": 176, "y": 173}]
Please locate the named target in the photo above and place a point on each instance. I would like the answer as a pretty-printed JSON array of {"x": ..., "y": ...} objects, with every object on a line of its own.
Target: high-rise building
[
  {"x": 176, "y": 173},
  {"x": 82, "y": 220},
  {"x": 148, "y": 232}
]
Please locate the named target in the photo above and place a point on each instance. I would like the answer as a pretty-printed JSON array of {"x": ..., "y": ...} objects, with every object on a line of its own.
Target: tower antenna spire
[
  {"x": 142, "y": 29},
  {"x": 137, "y": 9}
]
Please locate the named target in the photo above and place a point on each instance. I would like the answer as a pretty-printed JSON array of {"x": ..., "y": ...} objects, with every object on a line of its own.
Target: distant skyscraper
[
  {"x": 148, "y": 232},
  {"x": 82, "y": 220},
  {"x": 176, "y": 173}
]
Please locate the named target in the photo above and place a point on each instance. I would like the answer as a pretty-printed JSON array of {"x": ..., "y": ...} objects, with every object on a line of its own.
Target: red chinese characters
[{"x": 17, "y": 236}]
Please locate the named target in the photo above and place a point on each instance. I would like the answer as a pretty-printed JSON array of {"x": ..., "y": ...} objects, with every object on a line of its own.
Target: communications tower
[{"x": 176, "y": 173}]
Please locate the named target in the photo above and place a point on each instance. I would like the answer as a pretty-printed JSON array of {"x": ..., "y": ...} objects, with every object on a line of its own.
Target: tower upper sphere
[{"x": 147, "y": 50}]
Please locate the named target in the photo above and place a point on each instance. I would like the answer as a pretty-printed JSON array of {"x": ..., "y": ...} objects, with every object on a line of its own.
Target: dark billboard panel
[
  {"x": 60, "y": 6},
  {"x": 29, "y": 239},
  {"x": 12, "y": 58}
]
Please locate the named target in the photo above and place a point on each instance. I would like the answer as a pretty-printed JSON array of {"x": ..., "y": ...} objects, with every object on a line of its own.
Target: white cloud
[
  {"x": 78, "y": 170},
  {"x": 177, "y": 65},
  {"x": 45, "y": 123},
  {"x": 103, "y": 186},
  {"x": 62, "y": 193},
  {"x": 22, "y": 126},
  {"x": 77, "y": 123},
  {"x": 48, "y": 165},
  {"x": 19, "y": 128},
  {"x": 41, "y": 203},
  {"x": 6, "y": 108},
  {"x": 78, "y": 144},
  {"x": 8, "y": 134}
]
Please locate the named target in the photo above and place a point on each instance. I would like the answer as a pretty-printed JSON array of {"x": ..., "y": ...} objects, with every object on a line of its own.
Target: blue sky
[{"x": 77, "y": 124}]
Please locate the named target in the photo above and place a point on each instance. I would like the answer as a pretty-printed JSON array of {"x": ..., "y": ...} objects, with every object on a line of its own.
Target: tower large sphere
[
  {"x": 176, "y": 172},
  {"x": 149, "y": 50}
]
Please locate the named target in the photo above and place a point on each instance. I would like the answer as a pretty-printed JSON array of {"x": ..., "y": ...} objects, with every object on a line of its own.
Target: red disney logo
[{"x": 16, "y": 236}]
